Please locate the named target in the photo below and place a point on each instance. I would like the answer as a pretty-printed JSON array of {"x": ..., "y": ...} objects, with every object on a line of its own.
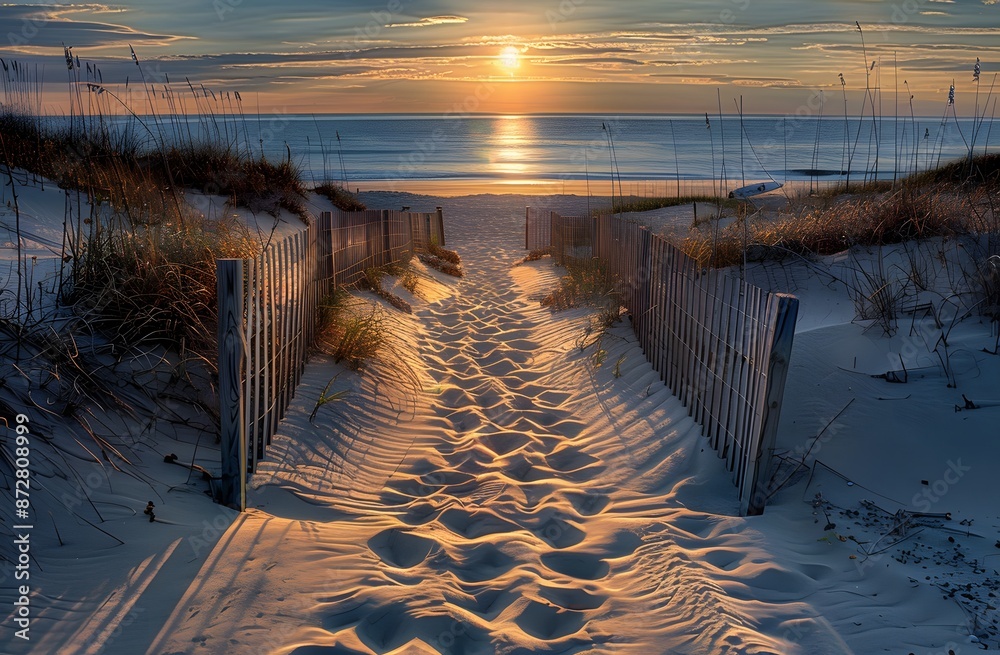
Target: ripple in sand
[
  {"x": 420, "y": 513},
  {"x": 570, "y": 459},
  {"x": 400, "y": 548},
  {"x": 325, "y": 650}
]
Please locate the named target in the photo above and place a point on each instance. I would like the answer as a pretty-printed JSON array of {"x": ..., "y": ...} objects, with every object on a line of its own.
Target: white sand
[{"x": 514, "y": 497}]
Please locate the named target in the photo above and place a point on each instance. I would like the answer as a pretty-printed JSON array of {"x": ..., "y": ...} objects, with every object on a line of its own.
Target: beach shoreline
[{"x": 600, "y": 190}]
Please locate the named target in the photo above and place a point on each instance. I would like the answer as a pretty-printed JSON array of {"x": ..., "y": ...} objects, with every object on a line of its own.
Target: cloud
[
  {"x": 36, "y": 28},
  {"x": 432, "y": 20},
  {"x": 766, "y": 83},
  {"x": 587, "y": 61}
]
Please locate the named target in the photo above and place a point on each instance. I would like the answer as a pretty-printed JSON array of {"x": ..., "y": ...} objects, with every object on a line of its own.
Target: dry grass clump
[
  {"x": 351, "y": 331},
  {"x": 252, "y": 182},
  {"x": 157, "y": 283},
  {"x": 340, "y": 197},
  {"x": 358, "y": 334},
  {"x": 534, "y": 256},
  {"x": 409, "y": 280},
  {"x": 638, "y": 204},
  {"x": 871, "y": 220},
  {"x": 586, "y": 283},
  {"x": 442, "y": 259},
  {"x": 139, "y": 181},
  {"x": 449, "y": 256},
  {"x": 372, "y": 281},
  {"x": 983, "y": 170}
]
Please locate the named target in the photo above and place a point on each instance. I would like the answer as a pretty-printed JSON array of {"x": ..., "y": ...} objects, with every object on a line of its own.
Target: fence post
[
  {"x": 386, "y": 241},
  {"x": 440, "y": 228},
  {"x": 232, "y": 350},
  {"x": 781, "y": 334}
]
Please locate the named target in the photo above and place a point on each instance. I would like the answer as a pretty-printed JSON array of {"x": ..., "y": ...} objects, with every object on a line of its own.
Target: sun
[{"x": 509, "y": 57}]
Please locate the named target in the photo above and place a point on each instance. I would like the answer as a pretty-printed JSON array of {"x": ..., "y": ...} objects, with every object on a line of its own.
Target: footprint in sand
[
  {"x": 400, "y": 548},
  {"x": 583, "y": 566},
  {"x": 392, "y": 627},
  {"x": 547, "y": 622},
  {"x": 482, "y": 562},
  {"x": 475, "y": 524},
  {"x": 572, "y": 598}
]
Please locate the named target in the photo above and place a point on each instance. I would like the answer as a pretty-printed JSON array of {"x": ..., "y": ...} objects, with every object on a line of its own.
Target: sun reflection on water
[{"x": 509, "y": 146}]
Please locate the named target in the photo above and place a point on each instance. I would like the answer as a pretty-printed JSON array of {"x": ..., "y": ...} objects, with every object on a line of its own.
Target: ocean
[
  {"x": 655, "y": 148},
  {"x": 660, "y": 151}
]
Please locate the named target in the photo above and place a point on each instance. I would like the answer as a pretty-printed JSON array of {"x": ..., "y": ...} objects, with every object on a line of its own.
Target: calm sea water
[
  {"x": 364, "y": 148},
  {"x": 639, "y": 148}
]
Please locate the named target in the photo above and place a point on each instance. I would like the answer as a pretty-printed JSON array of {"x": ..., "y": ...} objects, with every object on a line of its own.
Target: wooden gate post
[
  {"x": 440, "y": 227},
  {"x": 232, "y": 351},
  {"x": 755, "y": 486}
]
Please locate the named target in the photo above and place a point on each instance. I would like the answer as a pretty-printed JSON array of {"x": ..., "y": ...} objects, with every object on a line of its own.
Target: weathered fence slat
[
  {"x": 232, "y": 350},
  {"x": 781, "y": 331}
]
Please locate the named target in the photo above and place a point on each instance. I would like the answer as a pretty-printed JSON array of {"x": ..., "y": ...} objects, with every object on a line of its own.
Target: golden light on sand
[{"x": 510, "y": 58}]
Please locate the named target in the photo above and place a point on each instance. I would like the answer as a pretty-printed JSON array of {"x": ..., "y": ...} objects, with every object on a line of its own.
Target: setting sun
[{"x": 509, "y": 57}]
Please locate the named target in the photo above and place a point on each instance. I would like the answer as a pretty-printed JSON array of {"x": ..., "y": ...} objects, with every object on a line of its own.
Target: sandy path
[{"x": 523, "y": 501}]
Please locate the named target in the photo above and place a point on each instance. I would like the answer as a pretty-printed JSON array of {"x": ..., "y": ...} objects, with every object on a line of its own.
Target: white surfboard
[{"x": 752, "y": 190}]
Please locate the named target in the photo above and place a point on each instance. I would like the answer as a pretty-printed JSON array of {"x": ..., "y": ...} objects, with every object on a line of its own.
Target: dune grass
[
  {"x": 587, "y": 283},
  {"x": 638, "y": 204},
  {"x": 157, "y": 284},
  {"x": 351, "y": 331},
  {"x": 881, "y": 218},
  {"x": 341, "y": 198}
]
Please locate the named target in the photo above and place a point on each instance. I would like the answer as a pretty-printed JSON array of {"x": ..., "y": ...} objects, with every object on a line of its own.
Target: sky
[{"x": 522, "y": 56}]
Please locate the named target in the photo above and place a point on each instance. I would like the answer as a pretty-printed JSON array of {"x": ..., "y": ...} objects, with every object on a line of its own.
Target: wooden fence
[
  {"x": 268, "y": 318},
  {"x": 537, "y": 228},
  {"x": 720, "y": 344}
]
